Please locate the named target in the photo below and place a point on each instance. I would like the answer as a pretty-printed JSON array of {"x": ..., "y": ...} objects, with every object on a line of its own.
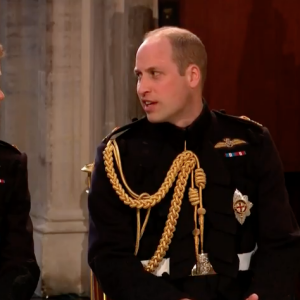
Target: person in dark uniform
[
  {"x": 188, "y": 202},
  {"x": 19, "y": 272}
]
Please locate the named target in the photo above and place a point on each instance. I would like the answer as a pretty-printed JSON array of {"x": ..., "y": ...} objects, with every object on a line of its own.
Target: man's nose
[{"x": 143, "y": 87}]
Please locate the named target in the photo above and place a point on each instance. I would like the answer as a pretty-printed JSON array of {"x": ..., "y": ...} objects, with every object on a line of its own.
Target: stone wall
[{"x": 68, "y": 80}]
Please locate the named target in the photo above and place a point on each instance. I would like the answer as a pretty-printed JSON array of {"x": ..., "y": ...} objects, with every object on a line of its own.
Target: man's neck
[{"x": 191, "y": 115}]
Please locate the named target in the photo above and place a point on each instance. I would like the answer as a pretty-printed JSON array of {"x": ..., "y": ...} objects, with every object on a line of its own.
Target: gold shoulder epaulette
[
  {"x": 238, "y": 118},
  {"x": 248, "y": 119}
]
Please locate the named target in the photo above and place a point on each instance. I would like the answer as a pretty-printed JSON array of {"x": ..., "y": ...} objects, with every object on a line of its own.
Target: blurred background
[{"x": 68, "y": 79}]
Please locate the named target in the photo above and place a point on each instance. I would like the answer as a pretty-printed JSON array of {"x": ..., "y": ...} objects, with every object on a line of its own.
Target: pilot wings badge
[
  {"x": 241, "y": 206},
  {"x": 230, "y": 143}
]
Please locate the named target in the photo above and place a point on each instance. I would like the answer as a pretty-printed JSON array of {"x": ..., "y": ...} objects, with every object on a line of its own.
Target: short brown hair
[
  {"x": 187, "y": 48},
  {"x": 1, "y": 51}
]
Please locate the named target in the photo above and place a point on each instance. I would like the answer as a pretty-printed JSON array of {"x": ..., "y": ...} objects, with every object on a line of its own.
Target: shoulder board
[
  {"x": 118, "y": 130},
  {"x": 242, "y": 119},
  {"x": 248, "y": 119},
  {"x": 9, "y": 146}
]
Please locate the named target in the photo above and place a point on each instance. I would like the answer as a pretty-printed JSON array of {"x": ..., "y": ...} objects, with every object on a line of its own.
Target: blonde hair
[
  {"x": 1, "y": 51},
  {"x": 186, "y": 46}
]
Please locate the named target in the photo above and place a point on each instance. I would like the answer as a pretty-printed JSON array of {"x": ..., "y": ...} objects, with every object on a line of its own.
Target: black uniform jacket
[
  {"x": 19, "y": 272},
  {"x": 147, "y": 151}
]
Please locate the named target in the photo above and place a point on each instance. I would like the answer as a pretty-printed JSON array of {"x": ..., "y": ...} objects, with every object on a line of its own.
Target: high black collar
[{"x": 192, "y": 135}]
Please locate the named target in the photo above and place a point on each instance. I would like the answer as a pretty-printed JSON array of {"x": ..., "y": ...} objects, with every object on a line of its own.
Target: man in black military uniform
[
  {"x": 19, "y": 272},
  {"x": 189, "y": 203}
]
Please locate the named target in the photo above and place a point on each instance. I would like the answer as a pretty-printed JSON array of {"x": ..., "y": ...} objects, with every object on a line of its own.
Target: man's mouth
[{"x": 148, "y": 103}]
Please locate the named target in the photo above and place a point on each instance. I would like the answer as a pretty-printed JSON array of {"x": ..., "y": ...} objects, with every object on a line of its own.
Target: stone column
[
  {"x": 119, "y": 29},
  {"x": 47, "y": 114},
  {"x": 68, "y": 78}
]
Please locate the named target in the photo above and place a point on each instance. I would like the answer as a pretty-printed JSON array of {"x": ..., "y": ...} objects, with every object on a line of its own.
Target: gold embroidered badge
[{"x": 230, "y": 143}]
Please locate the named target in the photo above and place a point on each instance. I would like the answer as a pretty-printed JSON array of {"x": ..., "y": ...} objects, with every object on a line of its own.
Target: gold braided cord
[
  {"x": 140, "y": 231},
  {"x": 195, "y": 197},
  {"x": 200, "y": 180},
  {"x": 182, "y": 167},
  {"x": 119, "y": 165},
  {"x": 154, "y": 199},
  {"x": 172, "y": 216},
  {"x": 145, "y": 222}
]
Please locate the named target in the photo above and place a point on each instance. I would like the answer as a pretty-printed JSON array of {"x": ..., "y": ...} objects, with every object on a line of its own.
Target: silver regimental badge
[{"x": 241, "y": 206}]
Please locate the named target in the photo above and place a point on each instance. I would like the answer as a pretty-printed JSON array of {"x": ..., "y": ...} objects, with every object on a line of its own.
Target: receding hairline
[
  {"x": 187, "y": 47},
  {"x": 167, "y": 32},
  {"x": 155, "y": 40}
]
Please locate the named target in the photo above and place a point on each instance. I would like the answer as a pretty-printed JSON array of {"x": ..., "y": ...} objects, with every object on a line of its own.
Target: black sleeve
[
  {"x": 19, "y": 272},
  {"x": 276, "y": 262},
  {"x": 112, "y": 242}
]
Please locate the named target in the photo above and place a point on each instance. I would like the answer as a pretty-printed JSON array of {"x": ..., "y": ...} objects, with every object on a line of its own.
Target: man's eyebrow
[
  {"x": 151, "y": 69},
  {"x": 148, "y": 70}
]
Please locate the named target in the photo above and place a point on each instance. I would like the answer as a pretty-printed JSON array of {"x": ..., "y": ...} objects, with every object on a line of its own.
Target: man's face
[
  {"x": 163, "y": 92},
  {"x": 1, "y": 93}
]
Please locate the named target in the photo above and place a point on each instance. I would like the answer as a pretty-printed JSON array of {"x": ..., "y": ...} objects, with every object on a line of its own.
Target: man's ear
[{"x": 193, "y": 75}]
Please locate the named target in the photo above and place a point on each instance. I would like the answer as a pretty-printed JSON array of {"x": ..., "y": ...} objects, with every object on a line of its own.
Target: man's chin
[{"x": 154, "y": 119}]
